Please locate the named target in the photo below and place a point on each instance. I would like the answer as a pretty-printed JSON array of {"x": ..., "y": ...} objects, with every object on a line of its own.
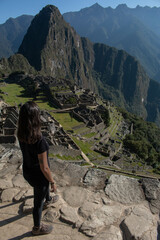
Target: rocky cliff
[{"x": 54, "y": 48}]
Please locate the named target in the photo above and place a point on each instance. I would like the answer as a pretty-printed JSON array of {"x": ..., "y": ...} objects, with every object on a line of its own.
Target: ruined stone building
[
  {"x": 58, "y": 139},
  {"x": 91, "y": 117},
  {"x": 8, "y": 125}
]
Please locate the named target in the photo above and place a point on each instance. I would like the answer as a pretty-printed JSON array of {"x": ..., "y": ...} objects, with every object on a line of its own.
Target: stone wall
[{"x": 8, "y": 124}]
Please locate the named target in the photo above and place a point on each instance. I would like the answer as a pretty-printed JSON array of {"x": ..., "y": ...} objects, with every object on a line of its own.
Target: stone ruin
[
  {"x": 68, "y": 99},
  {"x": 8, "y": 124},
  {"x": 108, "y": 146},
  {"x": 65, "y": 100},
  {"x": 58, "y": 139},
  {"x": 87, "y": 98},
  {"x": 60, "y": 92},
  {"x": 91, "y": 117}
]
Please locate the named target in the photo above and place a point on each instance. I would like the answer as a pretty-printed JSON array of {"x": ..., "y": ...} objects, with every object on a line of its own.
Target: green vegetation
[
  {"x": 115, "y": 120},
  {"x": 106, "y": 117},
  {"x": 86, "y": 147},
  {"x": 144, "y": 141},
  {"x": 14, "y": 94},
  {"x": 66, "y": 120},
  {"x": 66, "y": 158}
]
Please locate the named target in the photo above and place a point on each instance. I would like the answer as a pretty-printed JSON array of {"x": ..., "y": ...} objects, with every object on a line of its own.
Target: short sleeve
[{"x": 42, "y": 146}]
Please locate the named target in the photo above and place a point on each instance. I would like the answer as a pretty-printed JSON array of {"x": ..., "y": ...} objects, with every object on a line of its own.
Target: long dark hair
[{"x": 29, "y": 123}]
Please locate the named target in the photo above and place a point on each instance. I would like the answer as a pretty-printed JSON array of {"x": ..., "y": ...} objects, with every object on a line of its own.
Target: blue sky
[{"x": 15, "y": 8}]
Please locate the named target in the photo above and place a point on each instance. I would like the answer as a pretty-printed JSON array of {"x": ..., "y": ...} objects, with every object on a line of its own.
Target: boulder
[
  {"x": 101, "y": 218},
  {"x": 88, "y": 208},
  {"x": 68, "y": 172},
  {"x": 138, "y": 223},
  {"x": 9, "y": 194},
  {"x": 51, "y": 215},
  {"x": 5, "y": 183},
  {"x": 20, "y": 196},
  {"x": 28, "y": 206},
  {"x": 95, "y": 178},
  {"x": 152, "y": 193},
  {"x": 75, "y": 196},
  {"x": 124, "y": 189},
  {"x": 151, "y": 235},
  {"x": 112, "y": 233},
  {"x": 19, "y": 181},
  {"x": 69, "y": 215}
]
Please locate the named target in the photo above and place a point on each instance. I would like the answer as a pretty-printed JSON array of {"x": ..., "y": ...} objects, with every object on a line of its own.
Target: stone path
[{"x": 91, "y": 206}]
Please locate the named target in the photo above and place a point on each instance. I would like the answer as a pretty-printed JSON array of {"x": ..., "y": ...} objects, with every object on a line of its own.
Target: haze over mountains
[
  {"x": 52, "y": 47},
  {"x": 136, "y": 31},
  {"x": 12, "y": 33}
]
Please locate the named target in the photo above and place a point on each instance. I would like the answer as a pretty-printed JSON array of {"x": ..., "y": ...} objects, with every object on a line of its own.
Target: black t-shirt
[{"x": 30, "y": 154}]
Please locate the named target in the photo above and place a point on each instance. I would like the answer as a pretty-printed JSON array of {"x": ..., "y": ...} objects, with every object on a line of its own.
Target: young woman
[{"x": 35, "y": 162}]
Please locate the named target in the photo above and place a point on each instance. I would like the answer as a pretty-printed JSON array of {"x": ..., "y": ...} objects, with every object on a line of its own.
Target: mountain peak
[
  {"x": 122, "y": 6},
  {"x": 52, "y": 46},
  {"x": 96, "y": 6},
  {"x": 50, "y": 10}
]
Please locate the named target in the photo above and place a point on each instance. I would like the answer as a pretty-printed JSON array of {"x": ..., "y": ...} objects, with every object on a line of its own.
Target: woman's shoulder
[{"x": 42, "y": 144}]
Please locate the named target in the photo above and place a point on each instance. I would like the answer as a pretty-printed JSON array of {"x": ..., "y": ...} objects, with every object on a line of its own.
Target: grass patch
[
  {"x": 86, "y": 147},
  {"x": 66, "y": 158},
  {"x": 14, "y": 96},
  {"x": 13, "y": 92},
  {"x": 90, "y": 135},
  {"x": 65, "y": 120}
]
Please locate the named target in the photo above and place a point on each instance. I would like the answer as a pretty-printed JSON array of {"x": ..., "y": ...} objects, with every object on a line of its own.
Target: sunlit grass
[
  {"x": 66, "y": 158},
  {"x": 13, "y": 96},
  {"x": 66, "y": 120},
  {"x": 13, "y": 93}
]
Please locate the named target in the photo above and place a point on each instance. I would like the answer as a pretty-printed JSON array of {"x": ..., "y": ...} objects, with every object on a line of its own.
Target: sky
[{"x": 15, "y": 8}]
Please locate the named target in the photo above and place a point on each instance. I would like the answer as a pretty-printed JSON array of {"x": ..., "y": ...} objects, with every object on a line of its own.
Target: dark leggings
[{"x": 40, "y": 193}]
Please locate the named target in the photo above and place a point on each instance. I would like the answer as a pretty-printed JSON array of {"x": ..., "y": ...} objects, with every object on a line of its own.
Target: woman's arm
[{"x": 43, "y": 162}]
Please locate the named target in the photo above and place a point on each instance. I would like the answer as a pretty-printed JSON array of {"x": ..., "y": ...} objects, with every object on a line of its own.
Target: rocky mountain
[
  {"x": 15, "y": 63},
  {"x": 53, "y": 48},
  {"x": 12, "y": 33},
  {"x": 133, "y": 30},
  {"x": 59, "y": 51}
]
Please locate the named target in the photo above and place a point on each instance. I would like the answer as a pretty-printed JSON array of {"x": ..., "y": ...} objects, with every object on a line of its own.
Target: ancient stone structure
[
  {"x": 58, "y": 139},
  {"x": 91, "y": 117},
  {"x": 66, "y": 99},
  {"x": 87, "y": 98},
  {"x": 8, "y": 124}
]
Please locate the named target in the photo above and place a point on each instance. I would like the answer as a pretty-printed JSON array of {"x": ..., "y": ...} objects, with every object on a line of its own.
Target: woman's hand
[{"x": 53, "y": 187}]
